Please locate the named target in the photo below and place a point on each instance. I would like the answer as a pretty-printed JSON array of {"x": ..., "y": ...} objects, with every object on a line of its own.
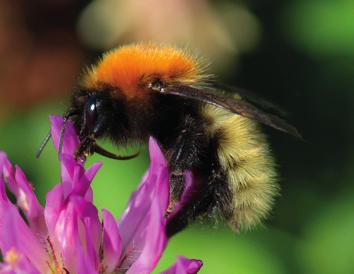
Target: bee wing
[
  {"x": 249, "y": 96},
  {"x": 234, "y": 105}
]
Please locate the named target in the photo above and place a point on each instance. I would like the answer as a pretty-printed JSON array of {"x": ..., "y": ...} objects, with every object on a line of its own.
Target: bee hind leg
[
  {"x": 211, "y": 200},
  {"x": 184, "y": 156}
]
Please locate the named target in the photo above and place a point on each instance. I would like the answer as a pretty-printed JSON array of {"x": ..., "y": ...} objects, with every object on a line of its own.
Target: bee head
[{"x": 92, "y": 113}]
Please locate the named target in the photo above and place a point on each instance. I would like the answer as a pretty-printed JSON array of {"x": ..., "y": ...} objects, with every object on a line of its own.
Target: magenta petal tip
[{"x": 184, "y": 266}]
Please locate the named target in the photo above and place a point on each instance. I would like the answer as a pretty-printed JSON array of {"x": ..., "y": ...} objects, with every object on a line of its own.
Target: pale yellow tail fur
[{"x": 245, "y": 157}]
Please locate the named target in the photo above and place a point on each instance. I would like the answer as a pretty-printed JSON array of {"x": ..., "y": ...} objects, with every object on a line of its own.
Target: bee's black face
[
  {"x": 93, "y": 113},
  {"x": 89, "y": 121}
]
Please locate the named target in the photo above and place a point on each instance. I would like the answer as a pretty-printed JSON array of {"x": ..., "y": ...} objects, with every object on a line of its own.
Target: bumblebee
[{"x": 143, "y": 90}]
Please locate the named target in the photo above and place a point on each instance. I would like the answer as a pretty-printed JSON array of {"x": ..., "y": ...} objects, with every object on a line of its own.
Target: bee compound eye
[{"x": 91, "y": 111}]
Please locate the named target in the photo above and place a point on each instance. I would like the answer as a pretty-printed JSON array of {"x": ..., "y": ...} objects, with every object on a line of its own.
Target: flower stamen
[{"x": 53, "y": 262}]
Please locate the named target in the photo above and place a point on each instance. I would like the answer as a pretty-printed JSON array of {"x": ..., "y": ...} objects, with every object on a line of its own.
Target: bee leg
[
  {"x": 176, "y": 186},
  {"x": 176, "y": 190},
  {"x": 212, "y": 199},
  {"x": 184, "y": 156}
]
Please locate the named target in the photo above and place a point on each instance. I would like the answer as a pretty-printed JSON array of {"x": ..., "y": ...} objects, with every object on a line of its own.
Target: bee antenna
[
  {"x": 61, "y": 138},
  {"x": 43, "y": 144}
]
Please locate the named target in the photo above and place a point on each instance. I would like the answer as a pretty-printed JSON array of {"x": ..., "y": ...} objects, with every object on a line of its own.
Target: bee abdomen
[{"x": 244, "y": 155}]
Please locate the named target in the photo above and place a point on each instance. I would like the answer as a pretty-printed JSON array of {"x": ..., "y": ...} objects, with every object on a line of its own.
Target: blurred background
[{"x": 298, "y": 53}]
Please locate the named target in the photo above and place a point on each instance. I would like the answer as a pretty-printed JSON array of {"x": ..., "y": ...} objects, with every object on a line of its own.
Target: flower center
[{"x": 11, "y": 257}]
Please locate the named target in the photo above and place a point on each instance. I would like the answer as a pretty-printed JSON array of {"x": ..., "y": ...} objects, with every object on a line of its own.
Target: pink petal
[
  {"x": 71, "y": 139},
  {"x": 27, "y": 201},
  {"x": 88, "y": 215},
  {"x": 7, "y": 171},
  {"x": 69, "y": 173},
  {"x": 157, "y": 159},
  {"x": 14, "y": 233},
  {"x": 4, "y": 200},
  {"x": 142, "y": 225},
  {"x": 77, "y": 235},
  {"x": 59, "y": 227},
  {"x": 66, "y": 239},
  {"x": 74, "y": 178},
  {"x": 84, "y": 267},
  {"x": 150, "y": 243},
  {"x": 85, "y": 180},
  {"x": 54, "y": 205},
  {"x": 184, "y": 266},
  {"x": 22, "y": 189},
  {"x": 112, "y": 243},
  {"x": 73, "y": 175},
  {"x": 156, "y": 176}
]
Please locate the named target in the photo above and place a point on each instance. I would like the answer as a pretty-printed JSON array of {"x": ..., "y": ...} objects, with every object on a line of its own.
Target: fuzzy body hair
[
  {"x": 244, "y": 155},
  {"x": 131, "y": 68}
]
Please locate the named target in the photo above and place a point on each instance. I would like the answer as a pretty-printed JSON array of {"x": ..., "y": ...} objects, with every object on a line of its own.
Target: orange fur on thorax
[{"x": 130, "y": 68}]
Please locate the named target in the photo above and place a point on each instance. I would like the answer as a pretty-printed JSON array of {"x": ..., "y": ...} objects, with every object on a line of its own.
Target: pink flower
[{"x": 67, "y": 236}]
